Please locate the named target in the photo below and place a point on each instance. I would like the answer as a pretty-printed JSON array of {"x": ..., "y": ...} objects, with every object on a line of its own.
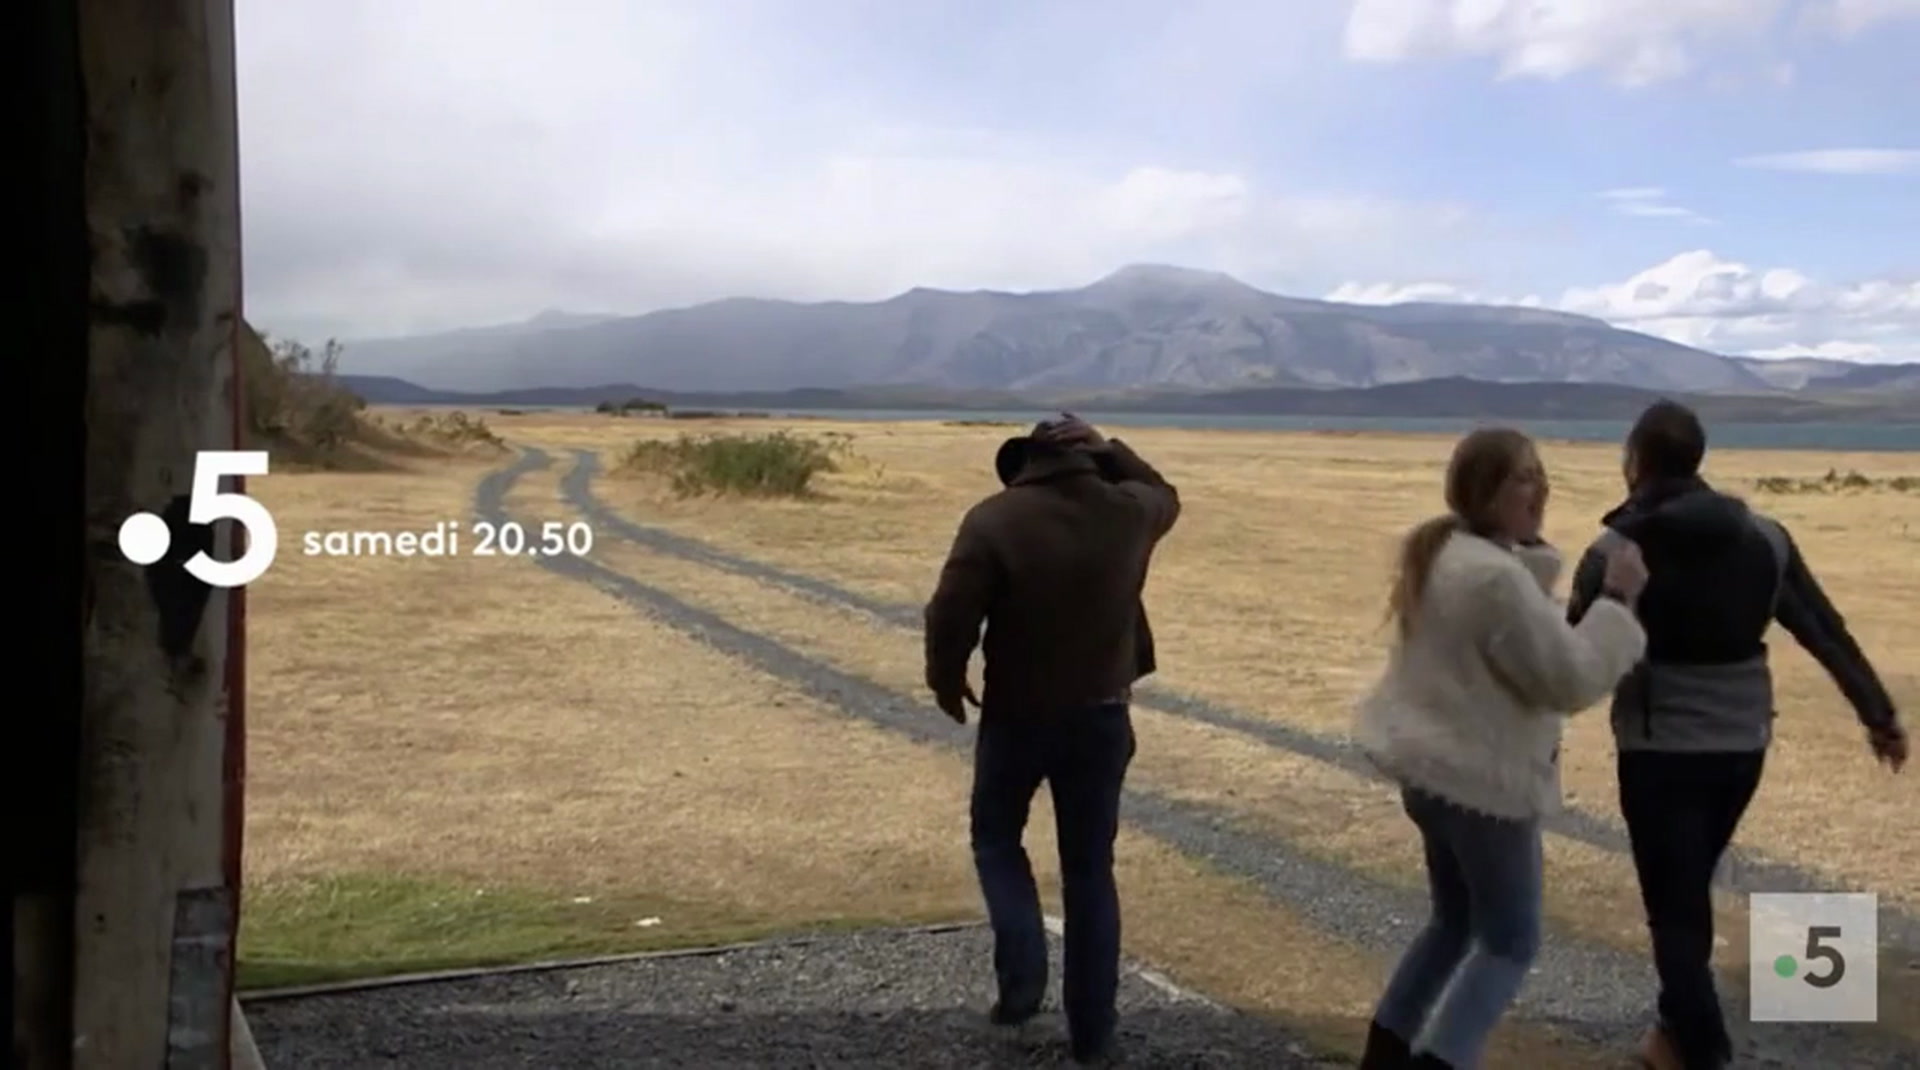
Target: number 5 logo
[
  {"x": 209, "y": 503},
  {"x": 1818, "y": 949}
]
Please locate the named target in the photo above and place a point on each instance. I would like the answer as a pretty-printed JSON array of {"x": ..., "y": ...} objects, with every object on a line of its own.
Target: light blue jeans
[{"x": 1459, "y": 976}]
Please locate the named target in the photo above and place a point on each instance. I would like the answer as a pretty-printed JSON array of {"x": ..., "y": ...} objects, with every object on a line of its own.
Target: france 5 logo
[
  {"x": 1814, "y": 957},
  {"x": 146, "y": 537}
]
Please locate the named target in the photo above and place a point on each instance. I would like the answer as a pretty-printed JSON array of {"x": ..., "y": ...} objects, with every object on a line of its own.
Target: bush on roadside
[
  {"x": 776, "y": 465},
  {"x": 455, "y": 430},
  {"x": 643, "y": 406},
  {"x": 300, "y": 412},
  {"x": 293, "y": 396},
  {"x": 1836, "y": 480}
]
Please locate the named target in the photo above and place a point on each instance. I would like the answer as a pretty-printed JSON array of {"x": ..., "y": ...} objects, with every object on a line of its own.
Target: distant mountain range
[
  {"x": 1143, "y": 327},
  {"x": 1168, "y": 338}
]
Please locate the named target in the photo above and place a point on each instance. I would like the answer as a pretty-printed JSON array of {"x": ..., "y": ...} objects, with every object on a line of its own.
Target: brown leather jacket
[{"x": 1053, "y": 565}]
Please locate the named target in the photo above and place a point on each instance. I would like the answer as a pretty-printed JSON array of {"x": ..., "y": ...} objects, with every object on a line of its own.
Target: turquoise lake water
[
  {"x": 1845, "y": 437},
  {"x": 1874, "y": 437}
]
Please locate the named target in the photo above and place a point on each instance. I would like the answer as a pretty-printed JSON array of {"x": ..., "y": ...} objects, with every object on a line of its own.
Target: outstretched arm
[{"x": 1806, "y": 613}]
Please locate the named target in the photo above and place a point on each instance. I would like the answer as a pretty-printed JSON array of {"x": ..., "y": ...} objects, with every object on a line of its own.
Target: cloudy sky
[{"x": 1738, "y": 174}]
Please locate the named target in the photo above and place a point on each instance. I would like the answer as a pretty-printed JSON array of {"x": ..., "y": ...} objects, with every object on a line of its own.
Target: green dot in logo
[{"x": 1785, "y": 966}]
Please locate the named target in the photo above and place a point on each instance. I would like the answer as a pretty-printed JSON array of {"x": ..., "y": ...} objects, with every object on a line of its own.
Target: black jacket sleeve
[
  {"x": 970, "y": 581},
  {"x": 1587, "y": 578},
  {"x": 1129, "y": 471},
  {"x": 1806, "y": 613}
]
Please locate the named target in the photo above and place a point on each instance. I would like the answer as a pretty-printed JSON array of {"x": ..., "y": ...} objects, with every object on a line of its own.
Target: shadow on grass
[{"x": 360, "y": 926}]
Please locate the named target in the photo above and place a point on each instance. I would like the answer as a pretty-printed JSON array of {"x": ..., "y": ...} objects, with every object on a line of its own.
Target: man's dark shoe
[
  {"x": 1427, "y": 1060},
  {"x": 1005, "y": 1013},
  {"x": 1657, "y": 1051},
  {"x": 1103, "y": 1052},
  {"x": 1385, "y": 1050}
]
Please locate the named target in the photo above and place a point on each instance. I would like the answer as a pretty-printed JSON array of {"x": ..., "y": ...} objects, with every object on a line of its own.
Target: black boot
[
  {"x": 1015, "y": 1013},
  {"x": 1427, "y": 1060},
  {"x": 1099, "y": 1053},
  {"x": 1385, "y": 1050}
]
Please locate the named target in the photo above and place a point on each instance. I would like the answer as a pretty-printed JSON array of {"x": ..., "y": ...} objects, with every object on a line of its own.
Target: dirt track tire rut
[
  {"x": 1745, "y": 871},
  {"x": 1597, "y": 993}
]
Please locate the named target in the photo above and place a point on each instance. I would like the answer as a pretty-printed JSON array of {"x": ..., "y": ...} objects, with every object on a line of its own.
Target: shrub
[
  {"x": 1836, "y": 480},
  {"x": 455, "y": 429},
  {"x": 292, "y": 392},
  {"x": 643, "y": 406},
  {"x": 295, "y": 403},
  {"x": 772, "y": 465}
]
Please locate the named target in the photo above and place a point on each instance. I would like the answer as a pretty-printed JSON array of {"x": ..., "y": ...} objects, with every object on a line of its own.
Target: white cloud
[
  {"x": 1648, "y": 202},
  {"x": 1387, "y": 293},
  {"x": 418, "y": 166},
  {"x": 1853, "y": 351},
  {"x": 1634, "y": 42},
  {"x": 1849, "y": 17},
  {"x": 1698, "y": 299},
  {"x": 1839, "y": 161}
]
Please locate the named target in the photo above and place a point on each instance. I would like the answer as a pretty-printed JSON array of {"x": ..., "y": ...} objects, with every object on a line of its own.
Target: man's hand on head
[
  {"x": 1072, "y": 432},
  {"x": 954, "y": 704}
]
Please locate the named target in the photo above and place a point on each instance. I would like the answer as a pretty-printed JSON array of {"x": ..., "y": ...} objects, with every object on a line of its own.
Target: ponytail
[{"x": 1417, "y": 552}]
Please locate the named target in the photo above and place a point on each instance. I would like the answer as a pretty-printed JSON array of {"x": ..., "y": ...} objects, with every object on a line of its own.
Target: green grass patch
[
  {"x": 775, "y": 465},
  {"x": 351, "y": 927}
]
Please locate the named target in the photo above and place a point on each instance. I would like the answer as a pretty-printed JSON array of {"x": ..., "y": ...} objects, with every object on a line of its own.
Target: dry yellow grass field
[
  {"x": 1268, "y": 596},
  {"x": 480, "y": 722}
]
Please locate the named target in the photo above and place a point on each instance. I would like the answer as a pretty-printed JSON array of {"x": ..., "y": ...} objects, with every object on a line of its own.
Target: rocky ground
[{"x": 873, "y": 999}]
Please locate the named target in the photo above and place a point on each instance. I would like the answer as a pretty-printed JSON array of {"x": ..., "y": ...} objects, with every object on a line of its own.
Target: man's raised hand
[{"x": 1073, "y": 432}]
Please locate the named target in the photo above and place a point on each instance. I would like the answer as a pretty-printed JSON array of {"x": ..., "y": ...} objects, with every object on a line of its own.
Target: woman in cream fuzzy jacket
[{"x": 1467, "y": 719}]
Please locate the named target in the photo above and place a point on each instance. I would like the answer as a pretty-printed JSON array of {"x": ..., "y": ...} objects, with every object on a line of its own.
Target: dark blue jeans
[
  {"x": 1682, "y": 809},
  {"x": 1457, "y": 978},
  {"x": 1083, "y": 756}
]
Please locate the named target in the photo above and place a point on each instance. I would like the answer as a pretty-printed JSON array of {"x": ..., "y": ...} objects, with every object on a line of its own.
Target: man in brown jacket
[{"x": 1054, "y": 566}]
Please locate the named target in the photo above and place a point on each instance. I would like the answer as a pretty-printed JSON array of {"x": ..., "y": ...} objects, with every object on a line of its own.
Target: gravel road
[
  {"x": 875, "y": 999},
  {"x": 1597, "y": 992},
  {"x": 1744, "y": 871}
]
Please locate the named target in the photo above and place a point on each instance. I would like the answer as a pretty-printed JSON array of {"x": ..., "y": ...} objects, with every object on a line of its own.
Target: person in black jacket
[{"x": 1693, "y": 721}]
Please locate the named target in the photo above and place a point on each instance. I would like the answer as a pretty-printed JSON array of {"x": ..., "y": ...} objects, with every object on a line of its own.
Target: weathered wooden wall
[{"x": 154, "y": 903}]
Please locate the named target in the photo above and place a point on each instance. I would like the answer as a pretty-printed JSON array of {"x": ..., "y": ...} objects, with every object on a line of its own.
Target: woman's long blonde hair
[{"x": 1482, "y": 463}]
